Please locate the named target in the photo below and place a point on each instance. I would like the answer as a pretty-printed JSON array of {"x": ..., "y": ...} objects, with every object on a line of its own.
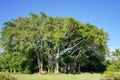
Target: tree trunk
[
  {"x": 74, "y": 66},
  {"x": 49, "y": 61},
  {"x": 41, "y": 56},
  {"x": 38, "y": 60},
  {"x": 78, "y": 67},
  {"x": 57, "y": 62},
  {"x": 41, "y": 64},
  {"x": 67, "y": 68}
]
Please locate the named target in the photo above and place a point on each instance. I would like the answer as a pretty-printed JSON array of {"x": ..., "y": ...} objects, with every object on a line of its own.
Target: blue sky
[{"x": 101, "y": 13}]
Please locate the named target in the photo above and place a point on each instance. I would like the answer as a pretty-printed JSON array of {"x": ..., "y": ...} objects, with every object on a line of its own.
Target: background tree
[{"x": 113, "y": 63}]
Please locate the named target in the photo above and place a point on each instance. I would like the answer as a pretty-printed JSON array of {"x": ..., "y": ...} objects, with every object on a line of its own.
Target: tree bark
[
  {"x": 78, "y": 67},
  {"x": 39, "y": 61},
  {"x": 57, "y": 62},
  {"x": 49, "y": 62},
  {"x": 41, "y": 64}
]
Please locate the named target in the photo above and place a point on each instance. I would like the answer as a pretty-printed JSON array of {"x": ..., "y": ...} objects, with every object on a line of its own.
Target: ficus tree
[{"x": 54, "y": 42}]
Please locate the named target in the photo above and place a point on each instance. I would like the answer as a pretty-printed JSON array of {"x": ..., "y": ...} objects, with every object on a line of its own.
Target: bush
[
  {"x": 110, "y": 75},
  {"x": 112, "y": 67},
  {"x": 27, "y": 70},
  {"x": 6, "y": 77}
]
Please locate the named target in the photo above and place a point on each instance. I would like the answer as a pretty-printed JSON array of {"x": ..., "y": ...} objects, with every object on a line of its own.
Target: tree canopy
[{"x": 55, "y": 44}]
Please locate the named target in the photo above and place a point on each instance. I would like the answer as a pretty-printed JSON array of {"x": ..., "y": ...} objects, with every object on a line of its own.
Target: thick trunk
[
  {"x": 41, "y": 56},
  {"x": 49, "y": 62},
  {"x": 38, "y": 60},
  {"x": 57, "y": 62},
  {"x": 41, "y": 64}
]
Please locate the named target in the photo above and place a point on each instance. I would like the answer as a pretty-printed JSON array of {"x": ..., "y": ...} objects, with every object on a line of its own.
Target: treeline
[{"x": 40, "y": 42}]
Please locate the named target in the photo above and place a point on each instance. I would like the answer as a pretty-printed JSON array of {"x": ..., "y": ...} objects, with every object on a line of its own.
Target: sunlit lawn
[{"x": 83, "y": 76}]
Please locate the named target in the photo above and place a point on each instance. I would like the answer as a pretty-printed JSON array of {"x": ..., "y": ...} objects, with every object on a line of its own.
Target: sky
[{"x": 101, "y": 13}]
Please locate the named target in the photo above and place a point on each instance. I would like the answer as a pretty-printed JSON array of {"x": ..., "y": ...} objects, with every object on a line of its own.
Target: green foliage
[
  {"x": 27, "y": 70},
  {"x": 112, "y": 67},
  {"x": 117, "y": 53},
  {"x": 42, "y": 41},
  {"x": 114, "y": 63},
  {"x": 110, "y": 75}
]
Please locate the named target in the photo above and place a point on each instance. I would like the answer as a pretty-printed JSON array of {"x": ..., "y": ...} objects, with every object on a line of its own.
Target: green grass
[{"x": 83, "y": 76}]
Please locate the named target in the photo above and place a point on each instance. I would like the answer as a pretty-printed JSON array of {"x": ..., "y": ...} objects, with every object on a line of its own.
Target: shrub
[
  {"x": 112, "y": 67},
  {"x": 110, "y": 75},
  {"x": 27, "y": 70}
]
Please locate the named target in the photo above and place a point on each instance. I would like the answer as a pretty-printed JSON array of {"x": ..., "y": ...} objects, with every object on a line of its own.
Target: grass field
[{"x": 83, "y": 76}]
